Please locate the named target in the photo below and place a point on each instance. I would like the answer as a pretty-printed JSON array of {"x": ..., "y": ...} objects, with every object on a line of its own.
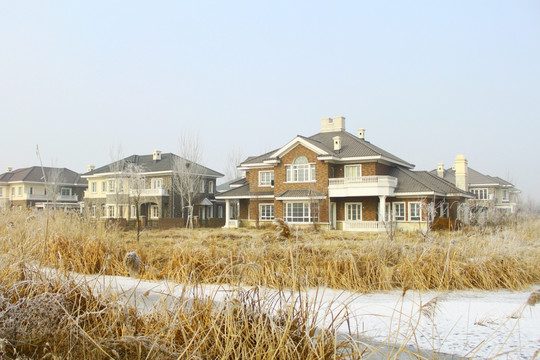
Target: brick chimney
[
  {"x": 462, "y": 173},
  {"x": 440, "y": 170},
  {"x": 337, "y": 123}
]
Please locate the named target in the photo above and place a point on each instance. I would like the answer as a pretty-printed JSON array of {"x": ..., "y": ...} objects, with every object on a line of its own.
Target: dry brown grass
[
  {"x": 58, "y": 318},
  {"x": 499, "y": 258},
  {"x": 62, "y": 319}
]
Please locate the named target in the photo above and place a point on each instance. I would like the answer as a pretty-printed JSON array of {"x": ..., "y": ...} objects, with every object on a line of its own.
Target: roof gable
[
  {"x": 352, "y": 149},
  {"x": 166, "y": 163}
]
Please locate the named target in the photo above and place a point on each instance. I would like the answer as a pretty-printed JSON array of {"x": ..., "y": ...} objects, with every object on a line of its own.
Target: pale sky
[{"x": 427, "y": 79}]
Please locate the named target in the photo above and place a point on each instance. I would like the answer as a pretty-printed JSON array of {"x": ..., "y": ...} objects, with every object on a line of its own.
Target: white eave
[
  {"x": 364, "y": 159},
  {"x": 295, "y": 142}
]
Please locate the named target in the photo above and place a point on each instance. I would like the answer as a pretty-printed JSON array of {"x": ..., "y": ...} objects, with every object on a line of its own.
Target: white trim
[
  {"x": 220, "y": 197},
  {"x": 347, "y": 211},
  {"x": 409, "y": 210},
  {"x": 394, "y": 217},
  {"x": 301, "y": 198},
  {"x": 271, "y": 180},
  {"x": 427, "y": 193},
  {"x": 294, "y": 143},
  {"x": 261, "y": 212},
  {"x": 366, "y": 158}
]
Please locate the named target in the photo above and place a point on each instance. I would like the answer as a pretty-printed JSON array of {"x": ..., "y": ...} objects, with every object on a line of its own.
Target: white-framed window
[
  {"x": 156, "y": 183},
  {"x": 211, "y": 187},
  {"x": 30, "y": 191},
  {"x": 353, "y": 211},
  {"x": 154, "y": 212},
  {"x": 505, "y": 195},
  {"x": 266, "y": 212},
  {"x": 353, "y": 171},
  {"x": 103, "y": 186},
  {"x": 103, "y": 213},
  {"x": 93, "y": 187},
  {"x": 120, "y": 185},
  {"x": 120, "y": 211},
  {"x": 220, "y": 212},
  {"x": 399, "y": 211},
  {"x": 301, "y": 212},
  {"x": 133, "y": 211},
  {"x": 19, "y": 191},
  {"x": 203, "y": 187},
  {"x": 65, "y": 191},
  {"x": 300, "y": 170},
  {"x": 443, "y": 210},
  {"x": 415, "y": 211},
  {"x": 209, "y": 212},
  {"x": 12, "y": 191},
  {"x": 110, "y": 211},
  {"x": 93, "y": 211},
  {"x": 110, "y": 185},
  {"x": 266, "y": 178},
  {"x": 481, "y": 194}
]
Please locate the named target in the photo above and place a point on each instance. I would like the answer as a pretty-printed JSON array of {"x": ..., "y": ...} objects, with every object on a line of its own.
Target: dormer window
[{"x": 300, "y": 170}]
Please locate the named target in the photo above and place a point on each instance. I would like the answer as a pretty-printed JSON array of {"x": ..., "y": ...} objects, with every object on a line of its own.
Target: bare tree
[
  {"x": 234, "y": 157},
  {"x": 117, "y": 170},
  {"x": 53, "y": 182},
  {"x": 187, "y": 173},
  {"x": 134, "y": 175}
]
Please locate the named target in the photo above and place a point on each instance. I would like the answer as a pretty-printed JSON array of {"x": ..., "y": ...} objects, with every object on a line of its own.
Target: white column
[
  {"x": 382, "y": 207},
  {"x": 227, "y": 212}
]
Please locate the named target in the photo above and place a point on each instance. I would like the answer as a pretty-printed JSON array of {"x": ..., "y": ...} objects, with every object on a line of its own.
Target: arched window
[
  {"x": 300, "y": 160},
  {"x": 300, "y": 170}
]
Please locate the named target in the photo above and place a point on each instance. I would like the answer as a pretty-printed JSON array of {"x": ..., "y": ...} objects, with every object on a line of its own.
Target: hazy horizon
[{"x": 427, "y": 80}]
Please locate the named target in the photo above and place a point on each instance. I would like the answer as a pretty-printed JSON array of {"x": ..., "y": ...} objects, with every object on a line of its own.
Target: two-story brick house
[
  {"x": 41, "y": 187},
  {"x": 490, "y": 192},
  {"x": 340, "y": 181},
  {"x": 110, "y": 195}
]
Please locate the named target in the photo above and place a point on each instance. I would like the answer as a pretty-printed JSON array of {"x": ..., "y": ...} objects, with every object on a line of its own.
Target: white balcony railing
[
  {"x": 362, "y": 186},
  {"x": 43, "y": 197},
  {"x": 368, "y": 226}
]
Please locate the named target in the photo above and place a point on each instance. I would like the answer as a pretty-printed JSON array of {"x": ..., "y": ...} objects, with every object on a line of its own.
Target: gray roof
[
  {"x": 422, "y": 182},
  {"x": 301, "y": 193},
  {"x": 35, "y": 174},
  {"x": 243, "y": 192},
  {"x": 351, "y": 147},
  {"x": 146, "y": 161},
  {"x": 231, "y": 184},
  {"x": 474, "y": 178}
]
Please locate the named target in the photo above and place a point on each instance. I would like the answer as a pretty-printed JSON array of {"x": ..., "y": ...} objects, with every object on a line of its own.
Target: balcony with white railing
[
  {"x": 362, "y": 186},
  {"x": 365, "y": 226},
  {"x": 43, "y": 197}
]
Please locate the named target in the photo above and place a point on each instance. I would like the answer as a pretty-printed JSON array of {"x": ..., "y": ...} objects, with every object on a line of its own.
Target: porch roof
[{"x": 301, "y": 194}]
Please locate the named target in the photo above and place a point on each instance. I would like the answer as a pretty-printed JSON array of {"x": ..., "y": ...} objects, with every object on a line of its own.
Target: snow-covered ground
[{"x": 477, "y": 324}]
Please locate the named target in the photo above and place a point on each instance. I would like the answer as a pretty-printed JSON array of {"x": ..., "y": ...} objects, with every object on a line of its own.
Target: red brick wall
[{"x": 370, "y": 207}]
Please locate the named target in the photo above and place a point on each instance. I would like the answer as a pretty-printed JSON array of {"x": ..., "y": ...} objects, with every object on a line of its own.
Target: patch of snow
[{"x": 478, "y": 324}]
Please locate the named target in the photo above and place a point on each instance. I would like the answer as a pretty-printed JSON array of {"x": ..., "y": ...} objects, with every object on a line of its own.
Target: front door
[{"x": 333, "y": 215}]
